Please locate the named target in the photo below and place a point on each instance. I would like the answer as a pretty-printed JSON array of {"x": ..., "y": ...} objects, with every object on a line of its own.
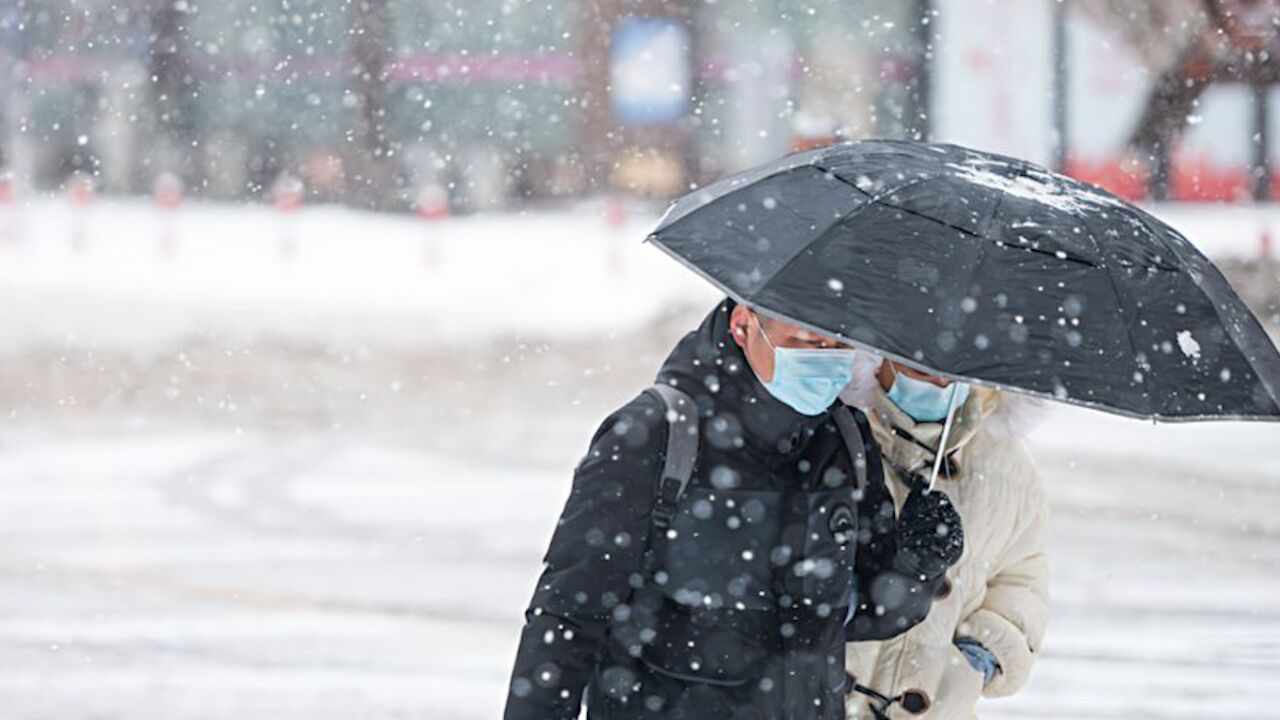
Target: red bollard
[
  {"x": 615, "y": 216},
  {"x": 80, "y": 192},
  {"x": 431, "y": 207},
  {"x": 1264, "y": 244},
  {"x": 166, "y": 193},
  {"x": 8, "y": 212},
  {"x": 615, "y": 212},
  {"x": 286, "y": 195}
]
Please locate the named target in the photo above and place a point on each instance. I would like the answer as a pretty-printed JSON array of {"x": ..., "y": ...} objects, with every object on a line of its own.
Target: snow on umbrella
[{"x": 984, "y": 268}]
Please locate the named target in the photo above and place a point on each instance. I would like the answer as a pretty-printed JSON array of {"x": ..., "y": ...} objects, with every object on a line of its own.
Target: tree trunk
[
  {"x": 370, "y": 169},
  {"x": 174, "y": 90}
]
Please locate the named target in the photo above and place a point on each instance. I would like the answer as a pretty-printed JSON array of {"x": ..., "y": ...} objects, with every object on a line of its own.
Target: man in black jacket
[{"x": 733, "y": 596}]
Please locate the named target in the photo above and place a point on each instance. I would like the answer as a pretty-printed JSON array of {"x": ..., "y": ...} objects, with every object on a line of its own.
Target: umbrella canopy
[{"x": 985, "y": 268}]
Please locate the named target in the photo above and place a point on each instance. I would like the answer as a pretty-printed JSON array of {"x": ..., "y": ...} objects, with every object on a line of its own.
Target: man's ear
[
  {"x": 739, "y": 319},
  {"x": 885, "y": 374}
]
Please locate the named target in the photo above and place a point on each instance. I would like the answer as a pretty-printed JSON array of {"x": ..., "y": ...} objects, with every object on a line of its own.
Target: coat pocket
[
  {"x": 959, "y": 688},
  {"x": 823, "y": 572},
  {"x": 941, "y": 678}
]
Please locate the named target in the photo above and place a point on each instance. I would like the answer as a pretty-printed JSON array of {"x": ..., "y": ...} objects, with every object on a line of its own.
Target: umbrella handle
[{"x": 941, "y": 452}]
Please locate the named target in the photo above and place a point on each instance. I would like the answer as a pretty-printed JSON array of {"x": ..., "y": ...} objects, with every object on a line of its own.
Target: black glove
[
  {"x": 930, "y": 535},
  {"x": 927, "y": 540}
]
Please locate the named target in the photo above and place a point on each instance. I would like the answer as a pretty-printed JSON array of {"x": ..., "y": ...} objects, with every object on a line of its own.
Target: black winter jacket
[{"x": 738, "y": 610}]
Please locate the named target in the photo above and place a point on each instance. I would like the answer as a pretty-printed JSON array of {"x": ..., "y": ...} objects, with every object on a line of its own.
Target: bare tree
[
  {"x": 174, "y": 89},
  {"x": 370, "y": 170},
  {"x": 1189, "y": 45},
  {"x": 1157, "y": 30}
]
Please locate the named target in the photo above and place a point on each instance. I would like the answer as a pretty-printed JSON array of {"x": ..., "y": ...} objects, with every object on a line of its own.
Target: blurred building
[
  {"x": 495, "y": 101},
  {"x": 1163, "y": 99},
  {"x": 232, "y": 93}
]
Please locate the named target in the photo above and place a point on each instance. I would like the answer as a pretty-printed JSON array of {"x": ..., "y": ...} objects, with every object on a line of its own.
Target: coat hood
[{"x": 1001, "y": 413}]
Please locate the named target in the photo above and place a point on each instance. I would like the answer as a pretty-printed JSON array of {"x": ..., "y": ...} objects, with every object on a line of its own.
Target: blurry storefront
[
  {"x": 494, "y": 102},
  {"x": 1163, "y": 99}
]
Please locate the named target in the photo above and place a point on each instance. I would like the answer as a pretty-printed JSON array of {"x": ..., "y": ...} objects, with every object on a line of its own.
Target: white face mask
[
  {"x": 808, "y": 380},
  {"x": 924, "y": 401}
]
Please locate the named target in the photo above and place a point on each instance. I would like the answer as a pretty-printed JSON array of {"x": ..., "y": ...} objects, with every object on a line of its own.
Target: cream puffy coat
[{"x": 999, "y": 588}]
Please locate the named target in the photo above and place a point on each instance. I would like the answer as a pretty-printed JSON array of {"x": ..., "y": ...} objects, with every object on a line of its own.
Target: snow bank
[
  {"x": 121, "y": 273},
  {"x": 141, "y": 277}
]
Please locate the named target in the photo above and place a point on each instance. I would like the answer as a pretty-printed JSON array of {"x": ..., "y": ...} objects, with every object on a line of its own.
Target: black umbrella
[{"x": 986, "y": 268}]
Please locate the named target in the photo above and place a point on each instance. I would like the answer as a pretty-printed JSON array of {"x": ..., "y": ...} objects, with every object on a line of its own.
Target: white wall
[
  {"x": 993, "y": 76},
  {"x": 1107, "y": 86}
]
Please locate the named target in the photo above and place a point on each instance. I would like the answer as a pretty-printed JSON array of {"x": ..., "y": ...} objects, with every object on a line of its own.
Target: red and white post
[
  {"x": 431, "y": 206},
  {"x": 615, "y": 217},
  {"x": 8, "y": 211},
  {"x": 286, "y": 196},
  {"x": 166, "y": 193},
  {"x": 80, "y": 194}
]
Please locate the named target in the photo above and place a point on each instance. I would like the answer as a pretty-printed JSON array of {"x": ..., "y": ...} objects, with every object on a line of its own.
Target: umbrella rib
[
  {"x": 879, "y": 200},
  {"x": 783, "y": 170},
  {"x": 1120, "y": 304},
  {"x": 1038, "y": 251},
  {"x": 988, "y": 240},
  {"x": 838, "y": 221},
  {"x": 875, "y": 198},
  {"x": 1266, "y": 379}
]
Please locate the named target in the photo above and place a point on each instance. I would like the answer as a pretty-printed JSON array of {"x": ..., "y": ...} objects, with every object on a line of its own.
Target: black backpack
[{"x": 682, "y": 448}]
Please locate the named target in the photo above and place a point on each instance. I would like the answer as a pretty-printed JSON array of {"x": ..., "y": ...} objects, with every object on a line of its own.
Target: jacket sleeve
[
  {"x": 595, "y": 557},
  {"x": 1012, "y": 620},
  {"x": 888, "y": 600}
]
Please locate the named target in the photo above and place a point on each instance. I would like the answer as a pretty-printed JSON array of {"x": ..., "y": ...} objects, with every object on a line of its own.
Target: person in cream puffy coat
[{"x": 996, "y": 605}]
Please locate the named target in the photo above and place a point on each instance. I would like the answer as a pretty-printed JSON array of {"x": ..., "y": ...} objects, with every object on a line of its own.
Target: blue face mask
[
  {"x": 924, "y": 401},
  {"x": 808, "y": 380}
]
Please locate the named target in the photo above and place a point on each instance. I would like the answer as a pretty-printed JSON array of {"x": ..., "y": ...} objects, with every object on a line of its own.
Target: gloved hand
[
  {"x": 930, "y": 535},
  {"x": 979, "y": 657}
]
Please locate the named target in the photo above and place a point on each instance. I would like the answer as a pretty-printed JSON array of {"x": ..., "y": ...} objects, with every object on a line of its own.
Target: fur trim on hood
[{"x": 1010, "y": 413}]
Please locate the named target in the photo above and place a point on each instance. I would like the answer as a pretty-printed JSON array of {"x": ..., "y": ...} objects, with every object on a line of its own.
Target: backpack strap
[
  {"x": 855, "y": 439},
  {"x": 682, "y": 450}
]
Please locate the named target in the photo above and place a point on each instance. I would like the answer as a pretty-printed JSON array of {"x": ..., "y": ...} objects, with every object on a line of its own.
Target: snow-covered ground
[
  {"x": 154, "y": 573},
  {"x": 369, "y": 555},
  {"x": 122, "y": 273}
]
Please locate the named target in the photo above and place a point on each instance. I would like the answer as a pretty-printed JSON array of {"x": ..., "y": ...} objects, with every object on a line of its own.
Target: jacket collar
[
  {"x": 768, "y": 422},
  {"x": 710, "y": 366},
  {"x": 912, "y": 446}
]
